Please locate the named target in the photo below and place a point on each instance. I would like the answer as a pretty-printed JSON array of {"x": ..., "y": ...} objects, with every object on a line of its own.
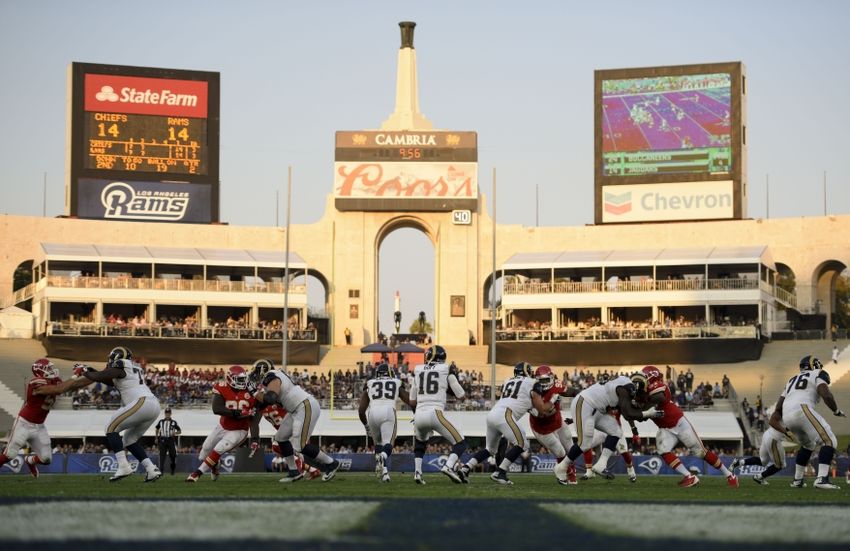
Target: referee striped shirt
[{"x": 167, "y": 427}]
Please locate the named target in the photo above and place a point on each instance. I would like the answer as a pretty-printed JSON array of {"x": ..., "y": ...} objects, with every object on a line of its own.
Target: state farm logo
[
  {"x": 123, "y": 202},
  {"x": 148, "y": 97}
]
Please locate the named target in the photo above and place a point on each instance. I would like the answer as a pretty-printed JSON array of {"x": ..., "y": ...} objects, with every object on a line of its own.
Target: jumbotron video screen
[{"x": 667, "y": 125}]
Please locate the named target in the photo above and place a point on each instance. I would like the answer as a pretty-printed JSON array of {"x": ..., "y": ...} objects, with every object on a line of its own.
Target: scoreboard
[
  {"x": 406, "y": 170},
  {"x": 153, "y": 131}
]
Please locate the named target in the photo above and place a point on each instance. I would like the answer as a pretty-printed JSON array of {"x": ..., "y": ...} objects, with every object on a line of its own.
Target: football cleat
[
  {"x": 798, "y": 483},
  {"x": 294, "y": 476},
  {"x": 824, "y": 484},
  {"x": 451, "y": 474},
  {"x": 312, "y": 473},
  {"x": 759, "y": 479},
  {"x": 32, "y": 467},
  {"x": 688, "y": 481},
  {"x": 417, "y": 477},
  {"x": 194, "y": 477},
  {"x": 606, "y": 474},
  {"x": 501, "y": 477},
  {"x": 331, "y": 472},
  {"x": 632, "y": 474},
  {"x": 571, "y": 474},
  {"x": 379, "y": 465},
  {"x": 463, "y": 474},
  {"x": 732, "y": 481},
  {"x": 121, "y": 473},
  {"x": 214, "y": 473},
  {"x": 588, "y": 474},
  {"x": 736, "y": 463},
  {"x": 561, "y": 470},
  {"x": 385, "y": 477},
  {"x": 153, "y": 475}
]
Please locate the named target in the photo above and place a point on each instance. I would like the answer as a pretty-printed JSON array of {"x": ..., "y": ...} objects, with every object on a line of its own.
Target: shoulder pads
[
  {"x": 824, "y": 376},
  {"x": 270, "y": 376}
]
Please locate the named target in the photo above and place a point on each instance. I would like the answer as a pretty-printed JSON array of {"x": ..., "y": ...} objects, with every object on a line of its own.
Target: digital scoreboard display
[
  {"x": 134, "y": 125},
  {"x": 667, "y": 125},
  {"x": 670, "y": 143},
  {"x": 374, "y": 146}
]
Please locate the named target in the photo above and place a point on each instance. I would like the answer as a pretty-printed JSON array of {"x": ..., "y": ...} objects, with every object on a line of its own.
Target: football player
[
  {"x": 519, "y": 394},
  {"x": 431, "y": 380},
  {"x": 28, "y": 427},
  {"x": 796, "y": 409},
  {"x": 139, "y": 410},
  {"x": 377, "y": 411},
  {"x": 622, "y": 449},
  {"x": 589, "y": 413},
  {"x": 771, "y": 453},
  {"x": 294, "y": 433},
  {"x": 237, "y": 411},
  {"x": 674, "y": 427},
  {"x": 551, "y": 430}
]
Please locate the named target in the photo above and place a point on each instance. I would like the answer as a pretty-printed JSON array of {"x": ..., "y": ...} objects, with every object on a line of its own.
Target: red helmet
[
  {"x": 44, "y": 368},
  {"x": 237, "y": 377},
  {"x": 652, "y": 373},
  {"x": 544, "y": 376}
]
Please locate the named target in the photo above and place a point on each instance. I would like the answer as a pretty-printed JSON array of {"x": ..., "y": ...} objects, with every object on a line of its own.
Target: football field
[{"x": 355, "y": 511}]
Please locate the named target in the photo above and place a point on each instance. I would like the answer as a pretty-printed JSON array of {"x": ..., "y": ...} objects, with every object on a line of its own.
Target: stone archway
[{"x": 824, "y": 277}]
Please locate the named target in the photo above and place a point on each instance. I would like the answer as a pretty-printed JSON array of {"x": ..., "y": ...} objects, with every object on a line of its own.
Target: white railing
[
  {"x": 83, "y": 329},
  {"x": 630, "y": 333},
  {"x": 171, "y": 284},
  {"x": 694, "y": 284},
  {"x": 786, "y": 298}
]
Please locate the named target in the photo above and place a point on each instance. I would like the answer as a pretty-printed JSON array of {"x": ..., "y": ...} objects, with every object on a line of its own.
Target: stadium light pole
[
  {"x": 286, "y": 272},
  {"x": 493, "y": 303}
]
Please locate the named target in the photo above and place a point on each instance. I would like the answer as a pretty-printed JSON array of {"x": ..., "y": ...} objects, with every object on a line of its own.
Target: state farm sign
[
  {"x": 145, "y": 96},
  {"x": 406, "y": 180}
]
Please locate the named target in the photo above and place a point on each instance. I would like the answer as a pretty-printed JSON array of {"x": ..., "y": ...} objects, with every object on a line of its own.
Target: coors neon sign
[{"x": 406, "y": 180}]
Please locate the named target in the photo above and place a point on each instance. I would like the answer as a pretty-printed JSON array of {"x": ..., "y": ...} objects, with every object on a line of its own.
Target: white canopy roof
[
  {"x": 168, "y": 255},
  {"x": 641, "y": 257}
]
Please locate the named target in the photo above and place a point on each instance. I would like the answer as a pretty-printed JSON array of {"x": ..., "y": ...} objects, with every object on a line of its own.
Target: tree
[
  {"x": 22, "y": 277},
  {"x": 420, "y": 326},
  {"x": 841, "y": 317}
]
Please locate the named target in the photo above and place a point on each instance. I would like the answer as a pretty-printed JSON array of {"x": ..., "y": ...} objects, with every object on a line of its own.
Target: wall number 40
[{"x": 463, "y": 217}]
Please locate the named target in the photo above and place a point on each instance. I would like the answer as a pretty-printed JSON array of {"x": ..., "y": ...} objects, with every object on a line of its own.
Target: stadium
[{"x": 141, "y": 263}]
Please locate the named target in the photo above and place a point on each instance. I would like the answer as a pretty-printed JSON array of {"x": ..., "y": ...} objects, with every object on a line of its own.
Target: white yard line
[
  {"x": 722, "y": 523},
  {"x": 123, "y": 520}
]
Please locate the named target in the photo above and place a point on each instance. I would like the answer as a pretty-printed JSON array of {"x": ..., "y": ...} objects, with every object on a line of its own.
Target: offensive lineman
[
  {"x": 796, "y": 409},
  {"x": 674, "y": 427},
  {"x": 236, "y": 408},
  {"x": 589, "y": 413},
  {"x": 377, "y": 411},
  {"x": 28, "y": 427},
  {"x": 428, "y": 400},
  {"x": 519, "y": 394},
  {"x": 139, "y": 410},
  {"x": 294, "y": 433},
  {"x": 551, "y": 430}
]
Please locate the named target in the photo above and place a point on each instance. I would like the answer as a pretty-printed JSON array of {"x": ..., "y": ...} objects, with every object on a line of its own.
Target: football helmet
[
  {"x": 523, "y": 369},
  {"x": 237, "y": 377},
  {"x": 260, "y": 368},
  {"x": 652, "y": 373},
  {"x": 545, "y": 377},
  {"x": 639, "y": 381},
  {"x": 810, "y": 363},
  {"x": 382, "y": 370},
  {"x": 44, "y": 368},
  {"x": 435, "y": 354},
  {"x": 119, "y": 353}
]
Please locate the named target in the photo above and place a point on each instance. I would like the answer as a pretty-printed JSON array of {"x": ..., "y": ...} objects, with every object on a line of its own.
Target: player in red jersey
[
  {"x": 236, "y": 406},
  {"x": 29, "y": 428},
  {"x": 674, "y": 427},
  {"x": 551, "y": 430}
]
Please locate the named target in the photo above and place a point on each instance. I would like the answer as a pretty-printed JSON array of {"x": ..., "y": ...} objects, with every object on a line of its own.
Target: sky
[{"x": 294, "y": 72}]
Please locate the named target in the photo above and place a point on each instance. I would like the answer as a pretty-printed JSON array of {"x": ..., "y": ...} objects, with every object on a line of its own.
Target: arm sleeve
[
  {"x": 455, "y": 386},
  {"x": 823, "y": 378}
]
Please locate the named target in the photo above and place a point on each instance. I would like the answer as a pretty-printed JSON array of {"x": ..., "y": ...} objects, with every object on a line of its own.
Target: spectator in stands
[{"x": 689, "y": 380}]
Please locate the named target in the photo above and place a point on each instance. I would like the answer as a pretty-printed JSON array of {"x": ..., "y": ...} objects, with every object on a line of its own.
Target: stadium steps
[
  {"x": 841, "y": 390},
  {"x": 343, "y": 356},
  {"x": 468, "y": 357}
]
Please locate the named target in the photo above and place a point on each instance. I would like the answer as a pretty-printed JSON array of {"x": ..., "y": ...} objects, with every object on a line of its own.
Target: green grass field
[{"x": 355, "y": 511}]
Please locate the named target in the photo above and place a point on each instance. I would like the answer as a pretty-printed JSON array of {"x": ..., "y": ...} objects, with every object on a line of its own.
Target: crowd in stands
[{"x": 186, "y": 327}]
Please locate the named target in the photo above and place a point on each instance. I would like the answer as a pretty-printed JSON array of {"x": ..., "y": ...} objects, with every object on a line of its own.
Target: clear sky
[{"x": 521, "y": 75}]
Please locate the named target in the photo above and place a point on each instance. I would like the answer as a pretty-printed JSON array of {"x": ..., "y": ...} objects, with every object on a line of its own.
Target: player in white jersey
[
  {"x": 139, "y": 410},
  {"x": 589, "y": 412},
  {"x": 295, "y": 430},
  {"x": 377, "y": 410},
  {"x": 771, "y": 454},
  {"x": 796, "y": 409},
  {"x": 431, "y": 381},
  {"x": 519, "y": 395}
]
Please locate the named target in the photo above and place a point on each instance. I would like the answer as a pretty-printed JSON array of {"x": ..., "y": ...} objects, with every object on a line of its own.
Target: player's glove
[
  {"x": 254, "y": 447},
  {"x": 653, "y": 413},
  {"x": 839, "y": 413},
  {"x": 79, "y": 369}
]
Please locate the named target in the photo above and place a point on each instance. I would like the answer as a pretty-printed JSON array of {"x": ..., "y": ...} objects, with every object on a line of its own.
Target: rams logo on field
[
  {"x": 542, "y": 464},
  {"x": 227, "y": 463},
  {"x": 438, "y": 462},
  {"x": 15, "y": 464},
  {"x": 652, "y": 465}
]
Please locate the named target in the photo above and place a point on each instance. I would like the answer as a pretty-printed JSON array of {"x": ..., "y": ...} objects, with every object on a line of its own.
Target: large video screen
[{"x": 667, "y": 125}]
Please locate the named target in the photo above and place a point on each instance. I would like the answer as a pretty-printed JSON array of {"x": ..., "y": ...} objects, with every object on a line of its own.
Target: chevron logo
[{"x": 618, "y": 203}]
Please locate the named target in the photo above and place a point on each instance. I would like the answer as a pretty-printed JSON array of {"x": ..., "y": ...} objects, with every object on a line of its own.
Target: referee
[{"x": 166, "y": 431}]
